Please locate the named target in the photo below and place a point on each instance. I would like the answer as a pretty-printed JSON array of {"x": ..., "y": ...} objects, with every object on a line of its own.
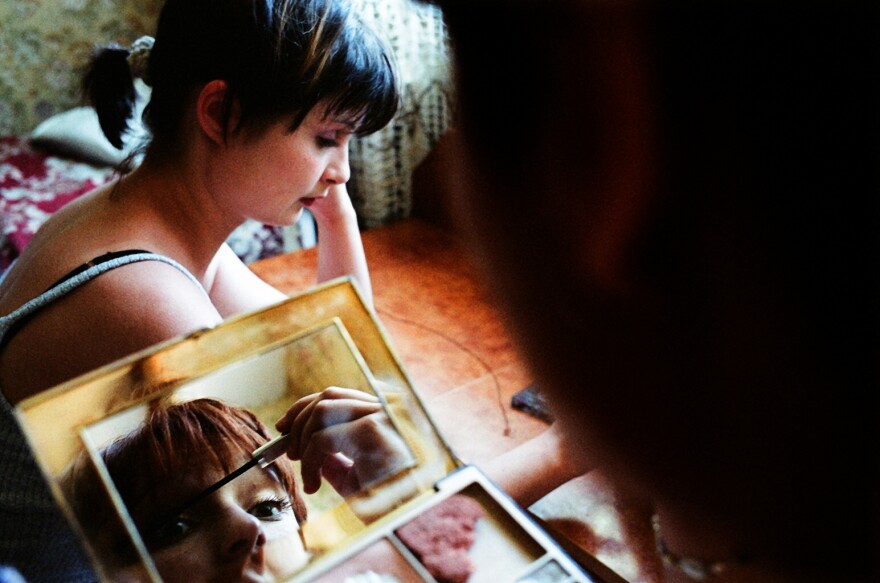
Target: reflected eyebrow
[
  {"x": 262, "y": 456},
  {"x": 192, "y": 500},
  {"x": 215, "y": 486}
]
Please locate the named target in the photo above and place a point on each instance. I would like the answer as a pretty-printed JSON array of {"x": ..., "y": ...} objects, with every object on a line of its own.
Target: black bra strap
[{"x": 96, "y": 261}]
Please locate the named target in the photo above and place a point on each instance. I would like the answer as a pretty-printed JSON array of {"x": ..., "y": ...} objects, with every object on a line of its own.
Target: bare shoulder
[
  {"x": 112, "y": 316},
  {"x": 161, "y": 299}
]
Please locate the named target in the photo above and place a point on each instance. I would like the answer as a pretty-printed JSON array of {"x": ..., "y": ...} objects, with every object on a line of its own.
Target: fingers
[
  {"x": 344, "y": 436},
  {"x": 328, "y": 414},
  {"x": 284, "y": 424},
  {"x": 335, "y": 467},
  {"x": 336, "y": 204},
  {"x": 340, "y": 472},
  {"x": 317, "y": 412},
  {"x": 370, "y": 443},
  {"x": 323, "y": 455}
]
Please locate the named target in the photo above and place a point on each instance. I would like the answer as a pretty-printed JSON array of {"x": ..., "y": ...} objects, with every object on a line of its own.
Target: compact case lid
[{"x": 262, "y": 362}]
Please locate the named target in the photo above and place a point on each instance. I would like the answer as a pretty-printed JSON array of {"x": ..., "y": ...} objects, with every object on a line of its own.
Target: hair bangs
[
  {"x": 367, "y": 91},
  {"x": 347, "y": 69},
  {"x": 193, "y": 436}
]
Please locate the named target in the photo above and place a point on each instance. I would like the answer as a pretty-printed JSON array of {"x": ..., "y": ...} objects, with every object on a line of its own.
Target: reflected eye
[
  {"x": 272, "y": 508},
  {"x": 168, "y": 533}
]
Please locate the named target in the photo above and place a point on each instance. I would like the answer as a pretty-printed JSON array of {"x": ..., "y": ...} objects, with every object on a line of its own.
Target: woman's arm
[
  {"x": 115, "y": 315},
  {"x": 340, "y": 250},
  {"x": 536, "y": 467},
  {"x": 234, "y": 288}
]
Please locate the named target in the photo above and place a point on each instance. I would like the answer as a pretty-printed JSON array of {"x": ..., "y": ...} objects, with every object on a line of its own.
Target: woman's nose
[
  {"x": 242, "y": 534},
  {"x": 338, "y": 170}
]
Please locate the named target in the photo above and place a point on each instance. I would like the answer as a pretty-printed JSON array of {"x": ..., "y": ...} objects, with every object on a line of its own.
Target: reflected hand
[{"x": 345, "y": 436}]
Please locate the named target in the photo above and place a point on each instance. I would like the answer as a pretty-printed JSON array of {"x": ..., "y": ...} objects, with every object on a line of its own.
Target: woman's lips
[{"x": 307, "y": 201}]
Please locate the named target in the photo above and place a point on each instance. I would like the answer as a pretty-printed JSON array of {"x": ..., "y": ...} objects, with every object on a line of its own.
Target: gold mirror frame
[{"x": 54, "y": 421}]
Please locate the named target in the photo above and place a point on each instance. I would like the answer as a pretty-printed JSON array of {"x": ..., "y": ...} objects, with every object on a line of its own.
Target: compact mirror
[{"x": 164, "y": 469}]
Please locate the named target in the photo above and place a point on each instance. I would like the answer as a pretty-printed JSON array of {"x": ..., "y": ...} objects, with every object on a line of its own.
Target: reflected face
[{"x": 245, "y": 531}]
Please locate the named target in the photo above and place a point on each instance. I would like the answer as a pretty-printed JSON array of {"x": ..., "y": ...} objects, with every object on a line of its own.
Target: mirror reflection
[
  {"x": 194, "y": 487},
  {"x": 248, "y": 527}
]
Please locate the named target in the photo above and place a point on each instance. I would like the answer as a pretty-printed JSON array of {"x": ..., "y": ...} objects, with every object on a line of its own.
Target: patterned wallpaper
[{"x": 44, "y": 44}]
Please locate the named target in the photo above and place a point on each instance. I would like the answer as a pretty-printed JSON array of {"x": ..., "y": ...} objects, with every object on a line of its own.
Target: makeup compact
[{"x": 169, "y": 466}]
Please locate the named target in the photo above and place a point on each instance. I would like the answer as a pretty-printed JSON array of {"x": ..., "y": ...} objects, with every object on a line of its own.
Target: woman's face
[
  {"x": 245, "y": 531},
  {"x": 271, "y": 175}
]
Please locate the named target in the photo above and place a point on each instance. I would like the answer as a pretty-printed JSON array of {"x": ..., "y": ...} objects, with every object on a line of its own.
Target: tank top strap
[{"x": 83, "y": 274}]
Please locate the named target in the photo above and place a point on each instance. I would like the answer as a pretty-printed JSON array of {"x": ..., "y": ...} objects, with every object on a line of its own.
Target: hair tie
[{"x": 139, "y": 57}]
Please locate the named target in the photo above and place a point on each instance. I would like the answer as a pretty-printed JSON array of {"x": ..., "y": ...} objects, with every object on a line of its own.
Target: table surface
[{"x": 441, "y": 321}]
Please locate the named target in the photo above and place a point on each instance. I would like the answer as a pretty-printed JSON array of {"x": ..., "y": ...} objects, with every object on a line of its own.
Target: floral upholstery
[{"x": 35, "y": 185}]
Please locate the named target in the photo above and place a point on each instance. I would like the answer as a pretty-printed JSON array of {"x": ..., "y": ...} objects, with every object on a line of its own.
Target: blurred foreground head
[{"x": 677, "y": 204}]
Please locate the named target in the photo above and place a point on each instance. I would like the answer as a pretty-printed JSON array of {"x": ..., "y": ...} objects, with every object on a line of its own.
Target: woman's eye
[
  {"x": 328, "y": 141},
  {"x": 334, "y": 138},
  {"x": 168, "y": 533},
  {"x": 273, "y": 509}
]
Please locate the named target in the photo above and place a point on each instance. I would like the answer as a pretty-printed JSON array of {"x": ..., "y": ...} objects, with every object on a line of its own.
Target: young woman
[{"x": 252, "y": 107}]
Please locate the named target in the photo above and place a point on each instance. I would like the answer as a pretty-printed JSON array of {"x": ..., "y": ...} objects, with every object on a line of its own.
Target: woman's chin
[{"x": 287, "y": 218}]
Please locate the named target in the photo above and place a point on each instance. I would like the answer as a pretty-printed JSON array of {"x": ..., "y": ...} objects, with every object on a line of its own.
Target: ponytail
[{"x": 109, "y": 86}]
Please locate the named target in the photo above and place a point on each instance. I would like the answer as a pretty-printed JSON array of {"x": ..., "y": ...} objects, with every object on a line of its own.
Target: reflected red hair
[
  {"x": 175, "y": 440},
  {"x": 197, "y": 435}
]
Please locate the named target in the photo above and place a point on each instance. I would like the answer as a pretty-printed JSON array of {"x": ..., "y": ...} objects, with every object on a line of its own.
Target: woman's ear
[{"x": 211, "y": 109}]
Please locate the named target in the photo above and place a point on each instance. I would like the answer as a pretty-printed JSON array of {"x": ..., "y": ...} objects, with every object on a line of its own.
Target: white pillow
[{"x": 77, "y": 133}]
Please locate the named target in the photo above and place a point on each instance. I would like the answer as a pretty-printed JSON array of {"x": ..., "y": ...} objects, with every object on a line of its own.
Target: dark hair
[
  {"x": 279, "y": 58},
  {"x": 109, "y": 86},
  {"x": 175, "y": 440}
]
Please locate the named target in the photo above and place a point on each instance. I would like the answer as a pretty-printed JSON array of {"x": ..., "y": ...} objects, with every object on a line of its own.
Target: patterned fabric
[
  {"x": 252, "y": 241},
  {"x": 35, "y": 538},
  {"x": 382, "y": 164},
  {"x": 33, "y": 185}
]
